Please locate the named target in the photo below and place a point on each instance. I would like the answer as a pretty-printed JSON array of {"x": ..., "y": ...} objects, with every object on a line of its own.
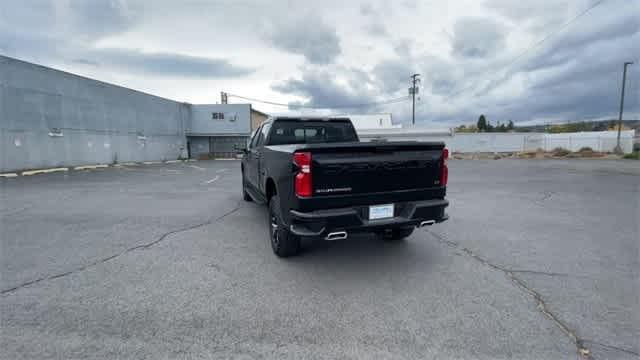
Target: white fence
[{"x": 603, "y": 141}]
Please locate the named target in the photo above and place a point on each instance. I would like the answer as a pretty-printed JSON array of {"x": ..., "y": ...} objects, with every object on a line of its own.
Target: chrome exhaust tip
[
  {"x": 427, "y": 223},
  {"x": 338, "y": 235}
]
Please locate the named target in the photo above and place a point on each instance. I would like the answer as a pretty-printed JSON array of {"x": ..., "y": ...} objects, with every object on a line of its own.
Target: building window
[{"x": 217, "y": 116}]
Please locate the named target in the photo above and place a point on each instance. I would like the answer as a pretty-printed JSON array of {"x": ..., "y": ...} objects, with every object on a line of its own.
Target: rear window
[{"x": 311, "y": 132}]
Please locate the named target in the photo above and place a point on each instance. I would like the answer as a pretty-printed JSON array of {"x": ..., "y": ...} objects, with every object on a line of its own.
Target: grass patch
[
  {"x": 560, "y": 152},
  {"x": 634, "y": 155}
]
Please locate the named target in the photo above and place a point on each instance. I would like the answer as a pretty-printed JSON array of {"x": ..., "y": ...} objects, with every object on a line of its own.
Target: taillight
[
  {"x": 303, "y": 184},
  {"x": 444, "y": 169}
]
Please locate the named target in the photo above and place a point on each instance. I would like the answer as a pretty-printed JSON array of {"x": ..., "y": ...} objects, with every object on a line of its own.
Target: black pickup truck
[{"x": 320, "y": 182}]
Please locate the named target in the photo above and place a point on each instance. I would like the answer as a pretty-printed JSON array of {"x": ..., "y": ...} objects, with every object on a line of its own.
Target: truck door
[
  {"x": 258, "y": 154},
  {"x": 250, "y": 163}
]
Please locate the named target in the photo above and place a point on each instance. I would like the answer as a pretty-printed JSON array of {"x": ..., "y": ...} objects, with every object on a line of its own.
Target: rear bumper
[{"x": 356, "y": 219}]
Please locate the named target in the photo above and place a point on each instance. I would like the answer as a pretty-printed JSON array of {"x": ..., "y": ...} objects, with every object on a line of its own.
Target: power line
[
  {"x": 536, "y": 44},
  {"x": 383, "y": 102}
]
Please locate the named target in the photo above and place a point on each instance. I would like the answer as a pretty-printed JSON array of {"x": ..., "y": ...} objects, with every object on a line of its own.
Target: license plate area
[{"x": 377, "y": 212}]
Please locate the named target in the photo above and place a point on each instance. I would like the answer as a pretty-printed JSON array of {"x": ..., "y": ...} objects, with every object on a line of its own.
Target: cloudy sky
[{"x": 474, "y": 56}]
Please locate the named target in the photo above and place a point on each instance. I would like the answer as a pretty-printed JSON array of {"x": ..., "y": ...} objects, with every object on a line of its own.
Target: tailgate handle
[{"x": 384, "y": 149}]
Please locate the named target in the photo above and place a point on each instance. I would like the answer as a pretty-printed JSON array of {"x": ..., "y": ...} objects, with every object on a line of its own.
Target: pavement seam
[
  {"x": 123, "y": 252},
  {"x": 536, "y": 272},
  {"x": 612, "y": 347},
  {"x": 581, "y": 349}
]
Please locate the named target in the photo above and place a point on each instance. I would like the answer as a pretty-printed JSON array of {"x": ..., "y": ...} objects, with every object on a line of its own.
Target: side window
[
  {"x": 254, "y": 138},
  {"x": 264, "y": 131}
]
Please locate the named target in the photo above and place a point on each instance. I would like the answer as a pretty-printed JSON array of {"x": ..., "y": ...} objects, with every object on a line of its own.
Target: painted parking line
[
  {"x": 88, "y": 167},
  {"x": 212, "y": 180},
  {"x": 172, "y": 161},
  {"x": 221, "y": 170},
  {"x": 197, "y": 167},
  {"x": 8, "y": 175},
  {"x": 43, "y": 171}
]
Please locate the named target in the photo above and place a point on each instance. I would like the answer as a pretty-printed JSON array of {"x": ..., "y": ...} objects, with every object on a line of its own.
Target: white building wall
[
  {"x": 603, "y": 141},
  {"x": 372, "y": 121}
]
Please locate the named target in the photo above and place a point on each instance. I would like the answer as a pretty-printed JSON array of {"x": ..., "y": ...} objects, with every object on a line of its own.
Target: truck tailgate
[{"x": 375, "y": 167}]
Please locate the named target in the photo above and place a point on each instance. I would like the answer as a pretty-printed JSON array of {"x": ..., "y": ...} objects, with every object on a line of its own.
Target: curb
[
  {"x": 43, "y": 171},
  {"x": 89, "y": 167}
]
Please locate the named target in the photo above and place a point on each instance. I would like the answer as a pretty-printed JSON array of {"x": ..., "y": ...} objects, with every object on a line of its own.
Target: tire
[
  {"x": 283, "y": 242},
  {"x": 396, "y": 234},
  {"x": 245, "y": 194}
]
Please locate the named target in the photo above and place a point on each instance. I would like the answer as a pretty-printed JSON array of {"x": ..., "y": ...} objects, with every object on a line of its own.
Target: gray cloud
[
  {"x": 392, "y": 75},
  {"x": 477, "y": 38},
  {"x": 537, "y": 15},
  {"x": 66, "y": 32},
  {"x": 374, "y": 23},
  {"x": 403, "y": 48},
  {"x": 86, "y": 62},
  {"x": 376, "y": 29},
  {"x": 322, "y": 89},
  {"x": 167, "y": 64},
  {"x": 128, "y": 60},
  {"x": 100, "y": 18},
  {"x": 366, "y": 9},
  {"x": 308, "y": 36},
  {"x": 86, "y": 20}
]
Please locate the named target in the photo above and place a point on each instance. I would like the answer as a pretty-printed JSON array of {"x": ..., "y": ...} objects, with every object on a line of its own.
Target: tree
[
  {"x": 510, "y": 125},
  {"x": 489, "y": 127},
  {"x": 482, "y": 123}
]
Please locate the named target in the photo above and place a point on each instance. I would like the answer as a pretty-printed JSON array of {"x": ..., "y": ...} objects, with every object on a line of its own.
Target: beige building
[{"x": 257, "y": 118}]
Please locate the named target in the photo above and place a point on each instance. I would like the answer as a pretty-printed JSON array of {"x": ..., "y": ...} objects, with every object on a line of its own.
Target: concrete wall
[
  {"x": 237, "y": 119},
  {"x": 199, "y": 145},
  {"x": 604, "y": 141},
  {"x": 50, "y": 118}
]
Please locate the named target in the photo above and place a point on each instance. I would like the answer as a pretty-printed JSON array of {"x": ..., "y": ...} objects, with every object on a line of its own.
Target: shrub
[
  {"x": 634, "y": 155},
  {"x": 560, "y": 152},
  {"x": 636, "y": 146},
  {"x": 585, "y": 149}
]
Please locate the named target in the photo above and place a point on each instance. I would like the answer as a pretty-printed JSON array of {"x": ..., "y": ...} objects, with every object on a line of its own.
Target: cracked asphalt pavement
[{"x": 539, "y": 260}]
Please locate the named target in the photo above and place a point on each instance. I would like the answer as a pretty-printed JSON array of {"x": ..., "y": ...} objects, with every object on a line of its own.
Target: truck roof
[{"x": 311, "y": 118}]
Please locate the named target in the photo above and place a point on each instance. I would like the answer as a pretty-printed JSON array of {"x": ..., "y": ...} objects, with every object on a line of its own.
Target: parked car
[{"x": 320, "y": 182}]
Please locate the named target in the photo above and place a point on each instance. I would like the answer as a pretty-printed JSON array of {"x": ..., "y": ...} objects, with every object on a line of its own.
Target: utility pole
[
  {"x": 618, "y": 149},
  {"x": 412, "y": 91},
  {"x": 223, "y": 97}
]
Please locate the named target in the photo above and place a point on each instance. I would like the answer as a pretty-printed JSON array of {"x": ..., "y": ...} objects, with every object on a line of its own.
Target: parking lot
[{"x": 539, "y": 260}]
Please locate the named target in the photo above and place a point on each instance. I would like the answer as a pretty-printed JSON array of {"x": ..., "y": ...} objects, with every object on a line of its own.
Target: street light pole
[{"x": 618, "y": 149}]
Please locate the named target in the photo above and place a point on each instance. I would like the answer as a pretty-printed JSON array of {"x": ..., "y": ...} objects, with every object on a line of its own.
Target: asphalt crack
[
  {"x": 117, "y": 255},
  {"x": 546, "y": 195},
  {"x": 581, "y": 348},
  {"x": 535, "y": 272},
  {"x": 631, "y": 352}
]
